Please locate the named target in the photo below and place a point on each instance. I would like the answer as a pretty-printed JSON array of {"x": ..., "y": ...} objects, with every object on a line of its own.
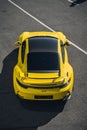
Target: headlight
[{"x": 22, "y": 85}]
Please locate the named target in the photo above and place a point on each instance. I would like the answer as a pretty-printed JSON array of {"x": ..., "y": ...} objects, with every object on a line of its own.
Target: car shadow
[
  {"x": 76, "y": 2},
  {"x": 6, "y": 74},
  {"x": 48, "y": 106},
  {"x": 16, "y": 113}
]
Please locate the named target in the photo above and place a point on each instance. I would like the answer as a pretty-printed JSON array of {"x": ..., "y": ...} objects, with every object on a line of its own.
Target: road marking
[
  {"x": 70, "y": 1},
  {"x": 31, "y": 16},
  {"x": 27, "y": 13},
  {"x": 73, "y": 2}
]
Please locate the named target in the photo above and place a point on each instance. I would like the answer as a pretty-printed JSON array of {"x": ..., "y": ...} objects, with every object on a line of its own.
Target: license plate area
[{"x": 43, "y": 97}]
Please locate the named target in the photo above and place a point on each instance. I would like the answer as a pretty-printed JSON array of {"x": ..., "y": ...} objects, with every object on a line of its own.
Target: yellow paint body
[{"x": 43, "y": 86}]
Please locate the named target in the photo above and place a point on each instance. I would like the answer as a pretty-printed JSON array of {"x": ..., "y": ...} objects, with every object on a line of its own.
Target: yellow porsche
[{"x": 43, "y": 71}]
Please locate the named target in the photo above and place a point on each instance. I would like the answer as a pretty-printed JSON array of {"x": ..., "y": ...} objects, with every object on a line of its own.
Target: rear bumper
[{"x": 43, "y": 94}]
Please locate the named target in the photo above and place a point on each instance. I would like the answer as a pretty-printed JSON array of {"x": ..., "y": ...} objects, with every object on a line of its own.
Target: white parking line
[
  {"x": 27, "y": 13},
  {"x": 70, "y": 1}
]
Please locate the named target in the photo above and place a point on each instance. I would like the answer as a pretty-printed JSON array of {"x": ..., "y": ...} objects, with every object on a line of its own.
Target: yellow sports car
[{"x": 43, "y": 71}]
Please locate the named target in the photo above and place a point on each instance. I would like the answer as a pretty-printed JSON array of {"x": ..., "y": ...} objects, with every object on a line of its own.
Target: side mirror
[
  {"x": 67, "y": 43},
  {"x": 18, "y": 43}
]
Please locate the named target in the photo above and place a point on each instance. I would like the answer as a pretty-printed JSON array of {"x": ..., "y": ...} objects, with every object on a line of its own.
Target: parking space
[{"x": 17, "y": 114}]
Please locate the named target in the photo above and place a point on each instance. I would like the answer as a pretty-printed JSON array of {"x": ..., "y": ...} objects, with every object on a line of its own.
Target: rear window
[{"x": 43, "y": 61}]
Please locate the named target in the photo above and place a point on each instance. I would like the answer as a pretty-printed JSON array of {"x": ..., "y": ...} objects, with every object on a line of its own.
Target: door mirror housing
[
  {"x": 67, "y": 43},
  {"x": 18, "y": 43}
]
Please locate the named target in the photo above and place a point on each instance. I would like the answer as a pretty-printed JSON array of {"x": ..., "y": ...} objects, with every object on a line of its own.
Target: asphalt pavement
[{"x": 67, "y": 17}]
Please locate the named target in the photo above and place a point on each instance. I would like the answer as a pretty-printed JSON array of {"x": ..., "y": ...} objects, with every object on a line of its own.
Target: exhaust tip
[{"x": 67, "y": 97}]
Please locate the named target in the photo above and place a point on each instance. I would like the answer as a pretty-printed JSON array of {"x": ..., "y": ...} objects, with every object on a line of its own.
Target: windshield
[
  {"x": 43, "y": 44},
  {"x": 43, "y": 54}
]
